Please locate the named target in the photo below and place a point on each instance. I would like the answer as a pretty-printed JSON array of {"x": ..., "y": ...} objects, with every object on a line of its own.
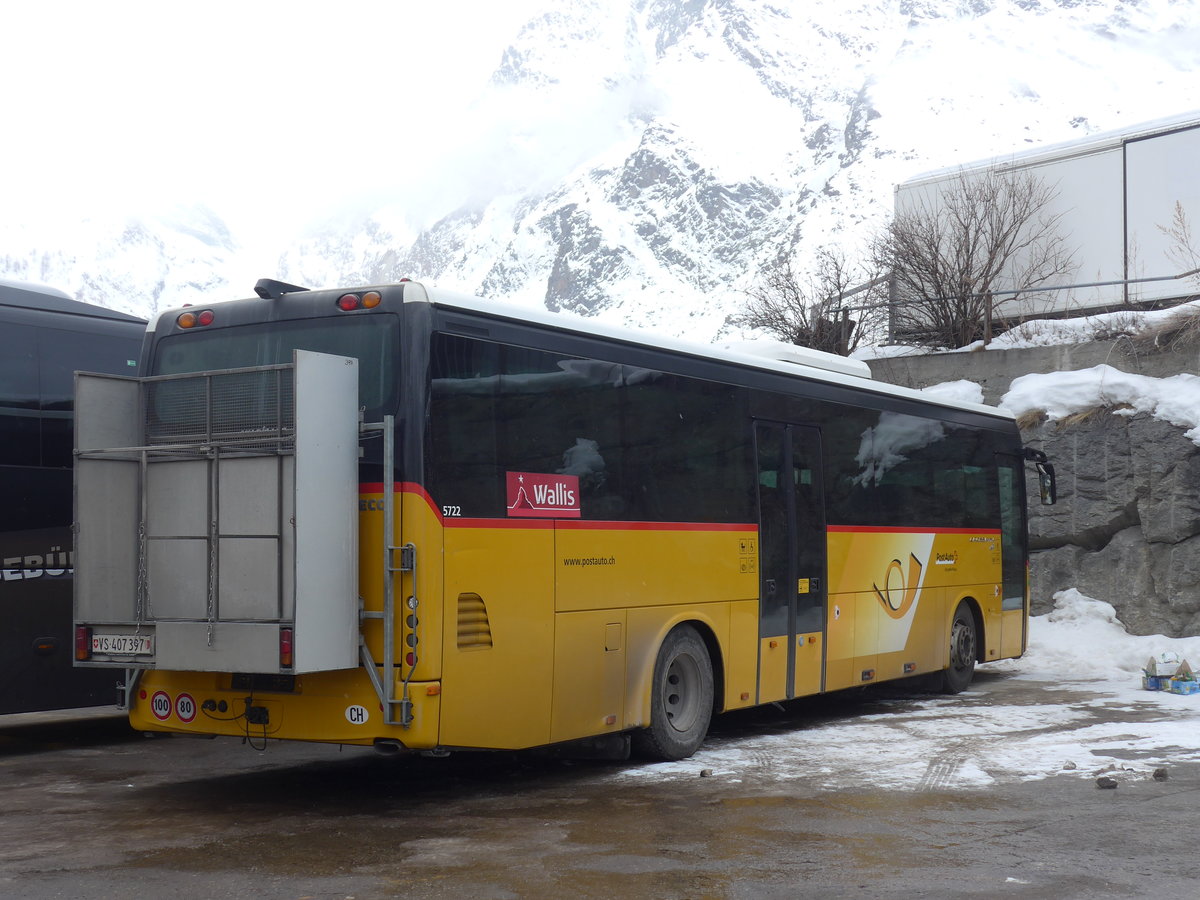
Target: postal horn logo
[{"x": 900, "y": 588}]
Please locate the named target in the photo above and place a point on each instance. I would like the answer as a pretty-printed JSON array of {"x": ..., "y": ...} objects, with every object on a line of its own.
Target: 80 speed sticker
[{"x": 185, "y": 707}]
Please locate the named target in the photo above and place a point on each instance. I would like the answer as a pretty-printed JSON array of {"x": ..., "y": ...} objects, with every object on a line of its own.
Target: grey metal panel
[
  {"x": 235, "y": 647},
  {"x": 326, "y": 561},
  {"x": 288, "y": 549},
  {"x": 177, "y": 498},
  {"x": 178, "y": 578},
  {"x": 248, "y": 580},
  {"x": 248, "y": 492},
  {"x": 106, "y": 498},
  {"x": 1089, "y": 200},
  {"x": 1159, "y": 175},
  {"x": 107, "y": 412}
]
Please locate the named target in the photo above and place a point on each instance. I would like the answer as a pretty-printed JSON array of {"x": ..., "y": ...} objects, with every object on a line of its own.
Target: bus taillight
[
  {"x": 83, "y": 642},
  {"x": 285, "y": 648},
  {"x": 191, "y": 319},
  {"x": 351, "y": 302}
]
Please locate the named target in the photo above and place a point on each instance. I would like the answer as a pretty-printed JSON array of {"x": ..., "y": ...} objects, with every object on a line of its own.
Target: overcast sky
[
  {"x": 276, "y": 113},
  {"x": 260, "y": 108}
]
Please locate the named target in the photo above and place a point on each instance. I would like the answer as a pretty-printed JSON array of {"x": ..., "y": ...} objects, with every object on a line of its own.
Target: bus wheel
[
  {"x": 681, "y": 698},
  {"x": 963, "y": 651}
]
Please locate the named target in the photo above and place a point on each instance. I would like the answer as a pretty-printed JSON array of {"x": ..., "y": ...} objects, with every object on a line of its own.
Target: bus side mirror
[{"x": 1047, "y": 484}]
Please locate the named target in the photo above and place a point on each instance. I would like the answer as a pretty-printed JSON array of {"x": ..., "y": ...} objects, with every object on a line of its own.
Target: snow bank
[
  {"x": 956, "y": 391},
  {"x": 1082, "y": 640},
  {"x": 1059, "y": 394}
]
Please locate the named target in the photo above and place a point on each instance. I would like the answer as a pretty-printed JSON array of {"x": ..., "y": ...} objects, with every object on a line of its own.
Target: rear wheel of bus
[
  {"x": 681, "y": 698},
  {"x": 963, "y": 651}
]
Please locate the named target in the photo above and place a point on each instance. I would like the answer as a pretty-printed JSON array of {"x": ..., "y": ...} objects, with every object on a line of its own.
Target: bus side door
[{"x": 792, "y": 547}]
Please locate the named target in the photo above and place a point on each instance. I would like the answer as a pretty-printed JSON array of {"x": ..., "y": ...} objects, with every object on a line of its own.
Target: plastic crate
[
  {"x": 1184, "y": 687},
  {"x": 1156, "y": 683}
]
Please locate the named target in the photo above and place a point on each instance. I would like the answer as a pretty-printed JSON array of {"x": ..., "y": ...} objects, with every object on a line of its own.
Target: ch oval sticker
[{"x": 357, "y": 715}]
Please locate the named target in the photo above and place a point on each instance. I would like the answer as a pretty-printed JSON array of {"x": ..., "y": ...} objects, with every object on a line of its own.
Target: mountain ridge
[{"x": 641, "y": 161}]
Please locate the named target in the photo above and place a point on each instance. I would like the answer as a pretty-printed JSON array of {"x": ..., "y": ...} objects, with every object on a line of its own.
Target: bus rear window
[{"x": 373, "y": 341}]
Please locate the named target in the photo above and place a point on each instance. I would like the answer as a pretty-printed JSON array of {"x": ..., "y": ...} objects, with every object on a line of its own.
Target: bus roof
[
  {"x": 770, "y": 355},
  {"x": 35, "y": 296}
]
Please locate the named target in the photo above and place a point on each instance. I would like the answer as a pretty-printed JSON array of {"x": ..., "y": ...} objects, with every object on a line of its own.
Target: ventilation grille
[
  {"x": 250, "y": 410},
  {"x": 474, "y": 629}
]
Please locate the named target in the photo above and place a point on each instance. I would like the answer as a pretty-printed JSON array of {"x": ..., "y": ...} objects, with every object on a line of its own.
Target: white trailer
[{"x": 1117, "y": 193}]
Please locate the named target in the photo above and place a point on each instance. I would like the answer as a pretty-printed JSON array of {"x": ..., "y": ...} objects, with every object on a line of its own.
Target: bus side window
[
  {"x": 60, "y": 354},
  {"x": 20, "y": 439},
  {"x": 463, "y": 454}
]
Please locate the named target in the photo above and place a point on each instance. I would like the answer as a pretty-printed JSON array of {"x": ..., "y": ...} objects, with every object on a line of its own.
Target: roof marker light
[{"x": 347, "y": 302}]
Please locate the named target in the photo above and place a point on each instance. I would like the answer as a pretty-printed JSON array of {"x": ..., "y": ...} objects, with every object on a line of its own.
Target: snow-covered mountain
[
  {"x": 135, "y": 264},
  {"x": 641, "y": 160}
]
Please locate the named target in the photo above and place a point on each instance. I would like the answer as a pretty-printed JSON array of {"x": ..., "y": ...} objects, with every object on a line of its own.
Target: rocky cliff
[{"x": 1126, "y": 528}]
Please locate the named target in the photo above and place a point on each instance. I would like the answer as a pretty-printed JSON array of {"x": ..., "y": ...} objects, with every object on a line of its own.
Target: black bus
[{"x": 45, "y": 337}]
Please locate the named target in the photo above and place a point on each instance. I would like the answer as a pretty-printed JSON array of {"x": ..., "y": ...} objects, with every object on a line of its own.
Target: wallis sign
[{"x": 536, "y": 495}]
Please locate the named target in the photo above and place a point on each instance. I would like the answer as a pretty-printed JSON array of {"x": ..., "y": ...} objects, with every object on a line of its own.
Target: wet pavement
[{"x": 92, "y": 810}]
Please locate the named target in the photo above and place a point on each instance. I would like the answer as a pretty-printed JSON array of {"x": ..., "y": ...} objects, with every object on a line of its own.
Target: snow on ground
[{"x": 1073, "y": 705}]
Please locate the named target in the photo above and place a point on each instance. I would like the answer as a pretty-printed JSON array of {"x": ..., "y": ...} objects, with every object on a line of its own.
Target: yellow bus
[{"x": 401, "y": 517}]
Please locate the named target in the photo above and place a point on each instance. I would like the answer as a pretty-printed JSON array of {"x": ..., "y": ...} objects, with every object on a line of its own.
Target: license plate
[{"x": 123, "y": 644}]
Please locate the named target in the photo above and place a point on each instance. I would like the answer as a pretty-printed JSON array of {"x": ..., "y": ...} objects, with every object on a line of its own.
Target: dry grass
[
  {"x": 1035, "y": 417},
  {"x": 1178, "y": 332},
  {"x": 1085, "y": 415}
]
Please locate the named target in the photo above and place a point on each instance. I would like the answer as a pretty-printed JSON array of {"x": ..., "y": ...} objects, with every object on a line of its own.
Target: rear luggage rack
[{"x": 216, "y": 515}]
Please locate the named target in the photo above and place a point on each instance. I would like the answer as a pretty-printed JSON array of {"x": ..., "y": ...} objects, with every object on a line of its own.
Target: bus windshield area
[{"x": 373, "y": 341}]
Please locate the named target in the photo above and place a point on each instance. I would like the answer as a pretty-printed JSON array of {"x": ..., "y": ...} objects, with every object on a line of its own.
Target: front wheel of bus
[
  {"x": 963, "y": 652},
  {"x": 681, "y": 698}
]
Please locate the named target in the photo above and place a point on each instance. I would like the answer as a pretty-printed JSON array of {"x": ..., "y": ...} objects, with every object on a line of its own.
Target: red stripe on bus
[
  {"x": 582, "y": 525},
  {"x": 902, "y": 529},
  {"x": 409, "y": 487},
  {"x": 401, "y": 487}
]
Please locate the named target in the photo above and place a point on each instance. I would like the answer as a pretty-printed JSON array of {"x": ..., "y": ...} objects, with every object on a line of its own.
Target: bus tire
[
  {"x": 681, "y": 698},
  {"x": 963, "y": 652}
]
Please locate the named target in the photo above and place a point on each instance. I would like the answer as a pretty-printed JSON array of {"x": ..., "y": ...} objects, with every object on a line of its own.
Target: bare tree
[
  {"x": 987, "y": 232},
  {"x": 826, "y": 309}
]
